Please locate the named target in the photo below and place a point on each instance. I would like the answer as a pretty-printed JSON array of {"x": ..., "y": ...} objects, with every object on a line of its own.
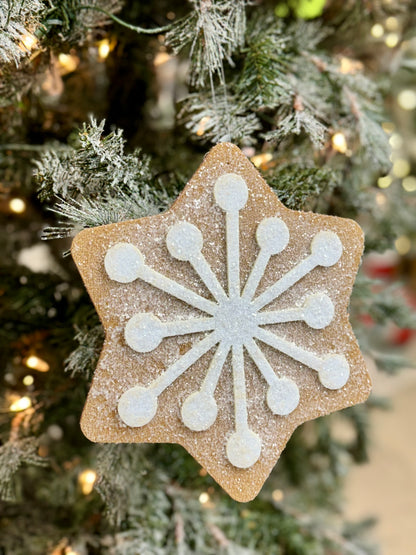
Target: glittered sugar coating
[{"x": 226, "y": 323}]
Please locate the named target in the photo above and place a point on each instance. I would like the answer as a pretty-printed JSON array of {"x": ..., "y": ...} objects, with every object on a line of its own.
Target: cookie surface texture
[{"x": 226, "y": 323}]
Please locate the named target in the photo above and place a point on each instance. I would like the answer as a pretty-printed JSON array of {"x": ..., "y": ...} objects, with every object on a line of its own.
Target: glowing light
[
  {"x": 203, "y": 472},
  {"x": 36, "y": 363},
  {"x": 392, "y": 23},
  {"x": 104, "y": 49},
  {"x": 339, "y": 142},
  {"x": 28, "y": 380},
  {"x": 21, "y": 404},
  {"x": 380, "y": 199},
  {"x": 409, "y": 184},
  {"x": 396, "y": 141},
  {"x": 401, "y": 168},
  {"x": 388, "y": 126},
  {"x": 202, "y": 126},
  {"x": 384, "y": 182},
  {"x": 17, "y": 205},
  {"x": 377, "y": 30},
  {"x": 406, "y": 99},
  {"x": 29, "y": 42},
  {"x": 70, "y": 551},
  {"x": 86, "y": 480},
  {"x": 277, "y": 495},
  {"x": 261, "y": 159},
  {"x": 204, "y": 498},
  {"x": 161, "y": 58},
  {"x": 347, "y": 65},
  {"x": 402, "y": 244},
  {"x": 68, "y": 62},
  {"x": 392, "y": 40}
]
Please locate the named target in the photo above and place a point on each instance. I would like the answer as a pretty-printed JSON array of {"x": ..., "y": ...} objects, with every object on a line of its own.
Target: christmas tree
[{"x": 106, "y": 111}]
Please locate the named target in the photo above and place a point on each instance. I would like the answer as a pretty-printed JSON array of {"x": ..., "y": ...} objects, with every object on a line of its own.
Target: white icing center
[{"x": 235, "y": 321}]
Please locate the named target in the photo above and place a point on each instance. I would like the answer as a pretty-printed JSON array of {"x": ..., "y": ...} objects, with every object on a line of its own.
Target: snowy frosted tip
[
  {"x": 326, "y": 248},
  {"x": 318, "y": 311},
  {"x": 231, "y": 192},
  {"x": 123, "y": 262},
  {"x": 199, "y": 411},
  {"x": 272, "y": 235},
  {"x": 283, "y": 396},
  {"x": 144, "y": 332},
  {"x": 184, "y": 241},
  {"x": 335, "y": 372},
  {"x": 243, "y": 448},
  {"x": 137, "y": 406}
]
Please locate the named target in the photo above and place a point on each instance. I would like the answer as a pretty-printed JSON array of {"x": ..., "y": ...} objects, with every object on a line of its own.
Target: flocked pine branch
[
  {"x": 97, "y": 183},
  {"x": 19, "y": 19},
  {"x": 13, "y": 455},
  {"x": 213, "y": 31}
]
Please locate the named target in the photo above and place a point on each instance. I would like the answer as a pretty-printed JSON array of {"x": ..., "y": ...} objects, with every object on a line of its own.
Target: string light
[
  {"x": 384, "y": 182},
  {"x": 204, "y": 498},
  {"x": 403, "y": 244},
  {"x": 20, "y": 404},
  {"x": 396, "y": 141},
  {"x": 347, "y": 65},
  {"x": 391, "y": 40},
  {"x": 28, "y": 42},
  {"x": 68, "y": 63},
  {"x": 377, "y": 30},
  {"x": 17, "y": 205},
  {"x": 277, "y": 495},
  {"x": 401, "y": 168},
  {"x": 406, "y": 99},
  {"x": 70, "y": 551},
  {"x": 388, "y": 126},
  {"x": 380, "y": 199},
  {"x": 339, "y": 142},
  {"x": 202, "y": 126},
  {"x": 161, "y": 58},
  {"x": 36, "y": 363},
  {"x": 392, "y": 23},
  {"x": 409, "y": 184},
  {"x": 104, "y": 49},
  {"x": 28, "y": 380},
  {"x": 203, "y": 472},
  {"x": 86, "y": 480},
  {"x": 261, "y": 159}
]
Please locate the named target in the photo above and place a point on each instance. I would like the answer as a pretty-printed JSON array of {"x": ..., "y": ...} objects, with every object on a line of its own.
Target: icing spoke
[
  {"x": 183, "y": 363},
  {"x": 283, "y": 393},
  {"x": 333, "y": 370},
  {"x": 125, "y": 263},
  {"x": 317, "y": 312},
  {"x": 326, "y": 251},
  {"x": 184, "y": 242},
  {"x": 272, "y": 236},
  {"x": 144, "y": 332},
  {"x": 231, "y": 194},
  {"x": 199, "y": 410}
]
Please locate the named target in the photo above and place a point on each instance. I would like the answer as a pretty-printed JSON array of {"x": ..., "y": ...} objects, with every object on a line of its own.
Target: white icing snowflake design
[{"x": 234, "y": 321}]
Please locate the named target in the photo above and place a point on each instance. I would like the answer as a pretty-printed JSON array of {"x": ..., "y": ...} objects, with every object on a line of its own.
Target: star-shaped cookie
[{"x": 226, "y": 323}]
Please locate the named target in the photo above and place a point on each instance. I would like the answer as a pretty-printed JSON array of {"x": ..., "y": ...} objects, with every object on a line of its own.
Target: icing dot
[
  {"x": 335, "y": 372},
  {"x": 144, "y": 332},
  {"x": 318, "y": 311},
  {"x": 231, "y": 192},
  {"x": 137, "y": 406},
  {"x": 272, "y": 235},
  {"x": 283, "y": 396},
  {"x": 199, "y": 411},
  {"x": 184, "y": 241},
  {"x": 326, "y": 248},
  {"x": 243, "y": 448},
  {"x": 123, "y": 262}
]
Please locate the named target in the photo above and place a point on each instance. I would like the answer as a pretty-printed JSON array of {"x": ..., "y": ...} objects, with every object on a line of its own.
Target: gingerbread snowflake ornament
[{"x": 226, "y": 323}]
